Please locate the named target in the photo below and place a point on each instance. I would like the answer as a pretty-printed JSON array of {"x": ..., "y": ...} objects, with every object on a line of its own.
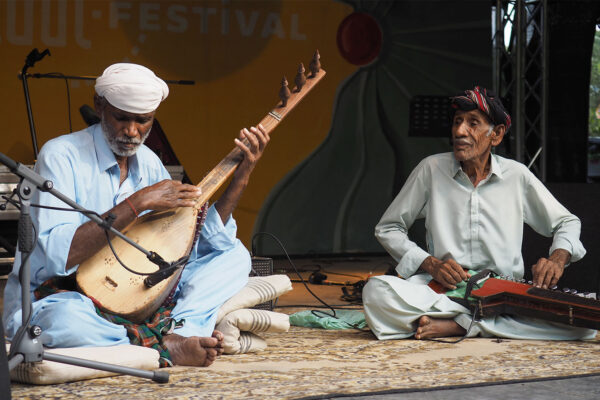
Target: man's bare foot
[
  {"x": 194, "y": 351},
  {"x": 434, "y": 328}
]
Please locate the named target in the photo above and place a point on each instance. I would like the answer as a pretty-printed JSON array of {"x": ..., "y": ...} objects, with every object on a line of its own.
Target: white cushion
[
  {"x": 258, "y": 290},
  {"x": 49, "y": 372}
]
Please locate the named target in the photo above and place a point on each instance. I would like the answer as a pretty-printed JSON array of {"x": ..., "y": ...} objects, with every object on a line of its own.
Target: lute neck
[{"x": 224, "y": 169}]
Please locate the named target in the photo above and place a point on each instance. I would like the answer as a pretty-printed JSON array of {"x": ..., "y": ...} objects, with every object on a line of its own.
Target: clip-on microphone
[{"x": 165, "y": 269}]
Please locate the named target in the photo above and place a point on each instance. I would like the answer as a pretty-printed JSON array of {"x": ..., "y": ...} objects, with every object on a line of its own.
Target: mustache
[
  {"x": 130, "y": 141},
  {"x": 461, "y": 141}
]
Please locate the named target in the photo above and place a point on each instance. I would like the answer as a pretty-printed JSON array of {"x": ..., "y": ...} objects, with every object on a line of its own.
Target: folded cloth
[
  {"x": 50, "y": 372},
  {"x": 344, "y": 319},
  {"x": 258, "y": 290},
  {"x": 240, "y": 327}
]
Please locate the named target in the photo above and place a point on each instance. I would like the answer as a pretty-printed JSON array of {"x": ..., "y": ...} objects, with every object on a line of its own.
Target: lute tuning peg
[
  {"x": 300, "y": 79},
  {"x": 284, "y": 92},
  {"x": 315, "y": 64}
]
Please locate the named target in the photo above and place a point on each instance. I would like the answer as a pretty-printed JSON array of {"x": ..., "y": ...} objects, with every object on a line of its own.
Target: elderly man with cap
[
  {"x": 474, "y": 204},
  {"x": 106, "y": 168}
]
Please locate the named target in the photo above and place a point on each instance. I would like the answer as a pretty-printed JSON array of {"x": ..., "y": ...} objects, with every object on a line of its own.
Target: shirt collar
[
  {"x": 494, "y": 168},
  {"x": 106, "y": 157},
  {"x": 455, "y": 166}
]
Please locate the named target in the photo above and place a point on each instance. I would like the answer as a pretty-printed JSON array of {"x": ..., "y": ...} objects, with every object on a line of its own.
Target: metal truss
[{"x": 520, "y": 77}]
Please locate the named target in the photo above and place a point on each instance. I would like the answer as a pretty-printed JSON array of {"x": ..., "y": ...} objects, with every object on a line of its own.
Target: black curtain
[{"x": 571, "y": 27}]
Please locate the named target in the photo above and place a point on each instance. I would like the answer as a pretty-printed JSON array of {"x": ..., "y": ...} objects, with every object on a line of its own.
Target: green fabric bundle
[{"x": 344, "y": 319}]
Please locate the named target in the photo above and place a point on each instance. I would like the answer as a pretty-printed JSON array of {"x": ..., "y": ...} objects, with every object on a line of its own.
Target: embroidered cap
[{"x": 484, "y": 100}]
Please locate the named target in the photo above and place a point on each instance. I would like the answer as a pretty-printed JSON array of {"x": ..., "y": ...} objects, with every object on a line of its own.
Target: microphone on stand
[
  {"x": 35, "y": 56},
  {"x": 165, "y": 269}
]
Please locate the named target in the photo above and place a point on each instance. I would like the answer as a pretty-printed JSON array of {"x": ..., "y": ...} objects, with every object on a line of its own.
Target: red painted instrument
[{"x": 499, "y": 296}]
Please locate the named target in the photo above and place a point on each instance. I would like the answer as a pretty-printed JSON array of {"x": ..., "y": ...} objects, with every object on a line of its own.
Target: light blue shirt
[
  {"x": 81, "y": 166},
  {"x": 479, "y": 227}
]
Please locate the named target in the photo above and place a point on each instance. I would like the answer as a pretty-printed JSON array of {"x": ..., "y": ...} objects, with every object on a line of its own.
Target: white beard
[{"x": 113, "y": 143}]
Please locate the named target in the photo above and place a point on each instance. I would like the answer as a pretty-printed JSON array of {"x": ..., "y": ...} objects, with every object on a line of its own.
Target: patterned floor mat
[{"x": 311, "y": 362}]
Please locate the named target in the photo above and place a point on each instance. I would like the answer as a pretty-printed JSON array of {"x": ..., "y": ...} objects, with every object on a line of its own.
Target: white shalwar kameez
[{"x": 479, "y": 227}]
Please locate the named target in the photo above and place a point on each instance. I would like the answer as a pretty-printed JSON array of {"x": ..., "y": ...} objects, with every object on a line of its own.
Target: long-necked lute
[{"x": 168, "y": 233}]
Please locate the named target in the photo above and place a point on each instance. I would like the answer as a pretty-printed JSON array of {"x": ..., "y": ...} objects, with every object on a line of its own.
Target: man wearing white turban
[
  {"x": 132, "y": 88},
  {"x": 107, "y": 168}
]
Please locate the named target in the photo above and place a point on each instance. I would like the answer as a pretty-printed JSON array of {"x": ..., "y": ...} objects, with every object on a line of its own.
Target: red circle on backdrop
[{"x": 359, "y": 38}]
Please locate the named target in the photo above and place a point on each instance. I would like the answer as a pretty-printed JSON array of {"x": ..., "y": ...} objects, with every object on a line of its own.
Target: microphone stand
[
  {"x": 35, "y": 56},
  {"x": 93, "y": 78},
  {"x": 26, "y": 347}
]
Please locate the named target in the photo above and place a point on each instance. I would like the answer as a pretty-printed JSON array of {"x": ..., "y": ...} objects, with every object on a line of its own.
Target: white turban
[{"x": 132, "y": 88}]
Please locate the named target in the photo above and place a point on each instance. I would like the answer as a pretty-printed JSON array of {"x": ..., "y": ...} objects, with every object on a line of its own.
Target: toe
[
  {"x": 212, "y": 353},
  {"x": 209, "y": 342},
  {"x": 208, "y": 362}
]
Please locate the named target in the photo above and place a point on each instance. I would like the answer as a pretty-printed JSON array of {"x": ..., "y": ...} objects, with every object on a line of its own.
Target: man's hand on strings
[
  {"x": 165, "y": 195},
  {"x": 547, "y": 271},
  {"x": 448, "y": 273},
  {"x": 257, "y": 139}
]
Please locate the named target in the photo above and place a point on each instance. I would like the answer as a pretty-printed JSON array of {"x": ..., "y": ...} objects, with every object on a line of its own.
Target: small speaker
[{"x": 262, "y": 266}]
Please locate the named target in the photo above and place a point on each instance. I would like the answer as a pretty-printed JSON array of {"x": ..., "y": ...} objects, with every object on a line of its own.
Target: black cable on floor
[{"x": 314, "y": 312}]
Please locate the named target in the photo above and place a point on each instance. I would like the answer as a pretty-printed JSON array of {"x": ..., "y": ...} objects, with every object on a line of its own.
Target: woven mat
[{"x": 311, "y": 362}]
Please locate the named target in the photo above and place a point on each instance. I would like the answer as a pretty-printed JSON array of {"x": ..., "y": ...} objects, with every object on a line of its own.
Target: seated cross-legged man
[
  {"x": 474, "y": 204},
  {"x": 106, "y": 168}
]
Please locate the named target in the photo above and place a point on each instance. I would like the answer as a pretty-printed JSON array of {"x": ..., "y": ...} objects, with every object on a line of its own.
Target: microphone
[
  {"x": 165, "y": 269},
  {"x": 89, "y": 115},
  {"x": 35, "y": 56},
  {"x": 158, "y": 276}
]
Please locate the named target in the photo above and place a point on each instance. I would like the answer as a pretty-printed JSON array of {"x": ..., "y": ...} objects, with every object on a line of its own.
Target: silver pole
[{"x": 519, "y": 81}]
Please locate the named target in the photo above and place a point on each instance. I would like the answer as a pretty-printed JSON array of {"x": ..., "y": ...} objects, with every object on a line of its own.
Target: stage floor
[{"x": 307, "y": 363}]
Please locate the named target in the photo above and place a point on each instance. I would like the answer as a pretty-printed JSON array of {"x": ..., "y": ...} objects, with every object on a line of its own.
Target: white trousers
[
  {"x": 69, "y": 319},
  {"x": 394, "y": 305}
]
